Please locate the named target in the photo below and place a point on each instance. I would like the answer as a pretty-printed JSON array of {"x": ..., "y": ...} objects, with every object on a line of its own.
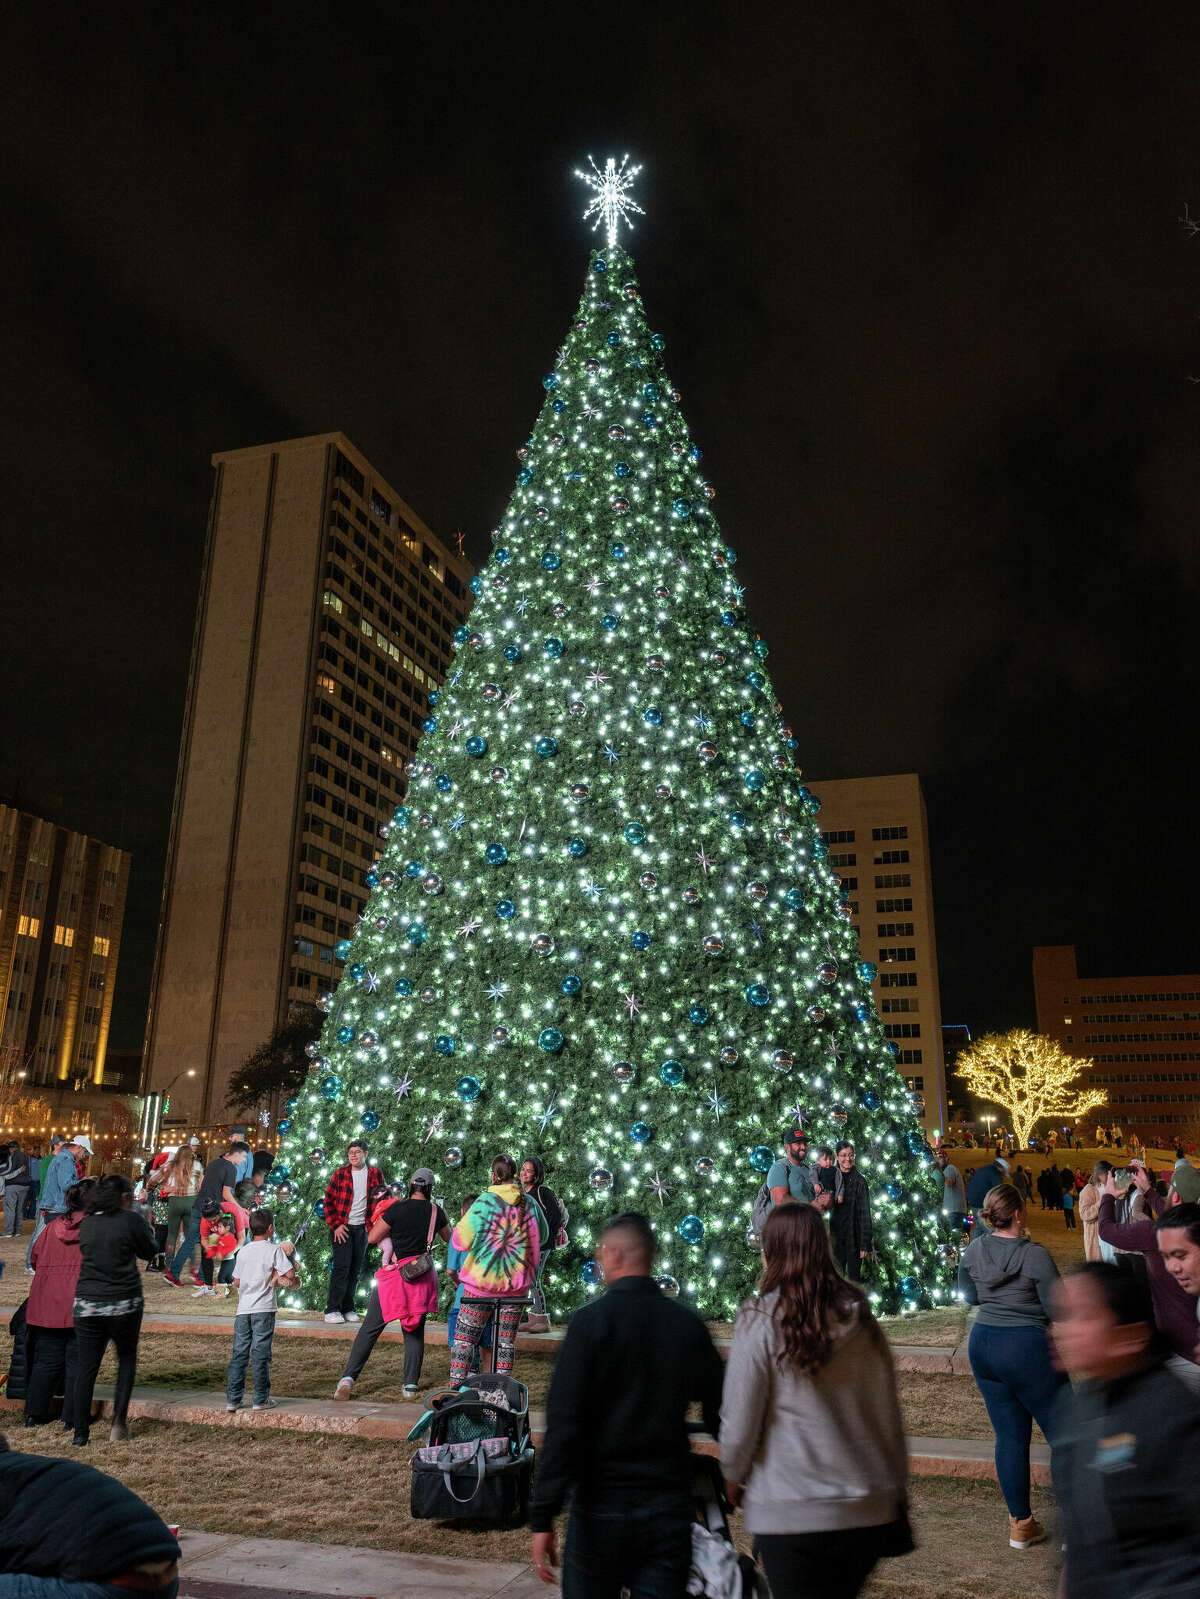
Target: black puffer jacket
[
  {"x": 18, "y": 1366},
  {"x": 59, "y": 1518}
]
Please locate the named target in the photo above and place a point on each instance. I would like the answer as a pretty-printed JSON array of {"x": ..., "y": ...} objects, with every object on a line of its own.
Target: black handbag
[
  {"x": 450, "y": 1486},
  {"x": 420, "y": 1264}
]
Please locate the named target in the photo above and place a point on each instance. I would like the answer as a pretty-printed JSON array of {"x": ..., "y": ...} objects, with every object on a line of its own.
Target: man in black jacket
[
  {"x": 850, "y": 1215},
  {"x": 64, "y": 1524},
  {"x": 631, "y": 1364}
]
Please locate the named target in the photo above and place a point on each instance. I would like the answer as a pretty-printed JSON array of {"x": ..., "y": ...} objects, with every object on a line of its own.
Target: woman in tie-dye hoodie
[{"x": 500, "y": 1237}]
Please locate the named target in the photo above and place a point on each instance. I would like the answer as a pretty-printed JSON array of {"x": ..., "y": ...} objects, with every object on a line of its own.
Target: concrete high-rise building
[
  {"x": 62, "y": 903},
  {"x": 1142, "y": 1033},
  {"x": 878, "y": 838},
  {"x": 325, "y": 619}
]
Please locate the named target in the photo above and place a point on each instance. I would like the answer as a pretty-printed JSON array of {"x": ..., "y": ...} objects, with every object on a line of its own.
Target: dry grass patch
[{"x": 944, "y": 1328}]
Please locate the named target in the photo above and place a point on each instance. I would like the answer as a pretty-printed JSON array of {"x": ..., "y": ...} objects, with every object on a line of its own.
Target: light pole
[{"x": 989, "y": 1120}]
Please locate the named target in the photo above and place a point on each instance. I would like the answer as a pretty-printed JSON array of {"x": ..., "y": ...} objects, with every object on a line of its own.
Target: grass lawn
[
  {"x": 345, "y": 1491},
  {"x": 935, "y": 1405}
]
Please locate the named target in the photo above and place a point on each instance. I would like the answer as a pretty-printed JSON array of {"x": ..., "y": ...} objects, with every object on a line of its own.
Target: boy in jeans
[{"x": 262, "y": 1265}]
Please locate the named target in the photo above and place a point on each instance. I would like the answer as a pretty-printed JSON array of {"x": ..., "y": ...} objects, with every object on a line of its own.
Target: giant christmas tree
[{"x": 602, "y": 928}]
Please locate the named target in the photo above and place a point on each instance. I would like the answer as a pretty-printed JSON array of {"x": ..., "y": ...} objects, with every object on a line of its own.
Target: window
[
  {"x": 891, "y": 857},
  {"x": 96, "y": 980},
  {"x": 326, "y": 683},
  {"x": 850, "y": 883},
  {"x": 902, "y": 1029},
  {"x": 64, "y": 935},
  {"x": 843, "y": 860},
  {"x": 883, "y": 906},
  {"x": 881, "y": 833},
  {"x": 892, "y": 1006},
  {"x": 350, "y": 474},
  {"x": 841, "y": 835},
  {"x": 917, "y": 1084},
  {"x": 99, "y": 946},
  {"x": 897, "y": 979},
  {"x": 894, "y": 930},
  {"x": 29, "y": 927},
  {"x": 893, "y": 880},
  {"x": 898, "y": 952},
  {"x": 909, "y": 1057}
]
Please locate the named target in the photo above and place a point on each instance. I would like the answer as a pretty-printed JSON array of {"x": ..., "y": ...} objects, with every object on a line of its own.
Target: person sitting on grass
[
  {"x": 262, "y": 1266},
  {"x": 1123, "y": 1436}
]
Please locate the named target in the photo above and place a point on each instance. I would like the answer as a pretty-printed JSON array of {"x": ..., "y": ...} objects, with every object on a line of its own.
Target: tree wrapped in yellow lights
[{"x": 1030, "y": 1077}]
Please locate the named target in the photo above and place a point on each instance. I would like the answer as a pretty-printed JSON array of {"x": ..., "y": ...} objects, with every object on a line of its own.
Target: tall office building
[
  {"x": 1142, "y": 1033},
  {"x": 325, "y": 619},
  {"x": 878, "y": 838},
  {"x": 62, "y": 903}
]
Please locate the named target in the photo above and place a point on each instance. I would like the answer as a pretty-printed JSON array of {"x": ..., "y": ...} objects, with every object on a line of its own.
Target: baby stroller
[
  {"x": 478, "y": 1463},
  {"x": 718, "y": 1570}
]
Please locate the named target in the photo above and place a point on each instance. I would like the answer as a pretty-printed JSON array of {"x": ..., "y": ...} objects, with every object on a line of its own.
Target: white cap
[
  {"x": 82, "y": 1141},
  {"x": 194, "y": 1141}
]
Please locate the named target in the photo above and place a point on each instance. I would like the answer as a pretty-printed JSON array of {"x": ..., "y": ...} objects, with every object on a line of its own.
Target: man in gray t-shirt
[{"x": 792, "y": 1177}]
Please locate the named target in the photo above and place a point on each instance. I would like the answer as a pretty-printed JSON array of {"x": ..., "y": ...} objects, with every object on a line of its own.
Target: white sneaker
[
  {"x": 410, "y": 1390},
  {"x": 205, "y": 1293},
  {"x": 344, "y": 1387},
  {"x": 268, "y": 1404},
  {"x": 334, "y": 1315},
  {"x": 352, "y": 1315},
  {"x": 232, "y": 1407}
]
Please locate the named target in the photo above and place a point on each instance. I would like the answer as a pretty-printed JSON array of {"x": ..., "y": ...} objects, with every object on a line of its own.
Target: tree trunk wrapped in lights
[
  {"x": 1029, "y": 1076},
  {"x": 603, "y": 929}
]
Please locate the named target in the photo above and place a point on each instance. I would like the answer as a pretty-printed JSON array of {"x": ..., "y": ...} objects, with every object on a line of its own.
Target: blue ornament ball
[
  {"x": 553, "y": 647},
  {"x": 442, "y": 783},
  {"x": 550, "y": 1040},
  {"x": 672, "y": 1073},
  {"x": 290, "y": 1104},
  {"x": 461, "y": 634},
  {"x": 342, "y": 948},
  {"x": 649, "y": 420},
  {"x": 895, "y": 1189},
  {"x": 558, "y": 405},
  {"x": 476, "y": 745},
  {"x": 417, "y": 933},
  {"x": 914, "y": 1142},
  {"x": 681, "y": 507},
  {"x": 641, "y": 1132},
  {"x": 867, "y": 971},
  {"x": 657, "y": 342},
  {"x": 653, "y": 716},
  {"x": 505, "y": 908},
  {"x": 279, "y": 1174},
  {"x": 758, "y": 994},
  {"x": 551, "y": 561},
  {"x": 502, "y": 555},
  {"x": 413, "y": 869},
  {"x": 910, "y": 1288},
  {"x": 358, "y": 971},
  {"x": 755, "y": 779},
  {"x": 401, "y": 816},
  {"x": 589, "y": 1274},
  {"x": 331, "y": 1087},
  {"x": 737, "y": 818},
  {"x": 757, "y": 680},
  {"x": 761, "y": 648},
  {"x": 495, "y": 854},
  {"x": 404, "y": 987},
  {"x": 651, "y": 391},
  {"x": 691, "y": 1229},
  {"x": 525, "y": 476},
  {"x": 599, "y": 264},
  {"x": 345, "y": 1035},
  {"x": 862, "y": 1013},
  {"x": 635, "y": 833},
  {"x": 546, "y": 747},
  {"x": 794, "y": 899},
  {"x": 572, "y": 985},
  {"x": 747, "y": 719},
  {"x": 698, "y": 1015},
  {"x": 550, "y": 381},
  {"x": 577, "y": 847},
  {"x": 728, "y": 618},
  {"x": 641, "y": 940},
  {"x": 621, "y": 469},
  {"x": 370, "y": 1120},
  {"x": 512, "y": 652},
  {"x": 319, "y": 1210},
  {"x": 444, "y": 1044},
  {"x": 284, "y": 1126},
  {"x": 371, "y": 879},
  {"x": 468, "y": 1089},
  {"x": 762, "y": 1157},
  {"x": 871, "y": 1099},
  {"x": 619, "y": 552},
  {"x": 609, "y": 622},
  {"x": 614, "y": 338}
]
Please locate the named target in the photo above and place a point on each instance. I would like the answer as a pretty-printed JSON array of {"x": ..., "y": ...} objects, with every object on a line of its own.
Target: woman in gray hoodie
[
  {"x": 1011, "y": 1279},
  {"x": 811, "y": 1437}
]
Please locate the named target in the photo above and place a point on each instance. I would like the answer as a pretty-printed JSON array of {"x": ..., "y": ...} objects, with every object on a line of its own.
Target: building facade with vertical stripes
[{"x": 325, "y": 619}]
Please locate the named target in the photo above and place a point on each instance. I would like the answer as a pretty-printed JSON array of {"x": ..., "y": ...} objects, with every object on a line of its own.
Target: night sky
[{"x": 924, "y": 290}]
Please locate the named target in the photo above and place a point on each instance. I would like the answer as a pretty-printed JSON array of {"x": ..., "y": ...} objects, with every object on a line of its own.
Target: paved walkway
[{"x": 228, "y": 1566}]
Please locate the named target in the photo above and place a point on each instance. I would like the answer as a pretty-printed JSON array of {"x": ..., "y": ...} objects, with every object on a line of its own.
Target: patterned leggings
[{"x": 472, "y": 1323}]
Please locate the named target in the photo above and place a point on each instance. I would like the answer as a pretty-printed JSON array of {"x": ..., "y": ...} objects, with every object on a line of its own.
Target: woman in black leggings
[{"x": 108, "y": 1298}]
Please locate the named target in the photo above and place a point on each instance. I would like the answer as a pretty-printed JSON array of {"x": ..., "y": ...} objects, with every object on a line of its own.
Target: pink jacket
[{"x": 56, "y": 1261}]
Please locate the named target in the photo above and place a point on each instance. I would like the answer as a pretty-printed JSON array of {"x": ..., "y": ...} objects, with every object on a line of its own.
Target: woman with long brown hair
[
  {"x": 812, "y": 1443},
  {"x": 178, "y": 1184}
]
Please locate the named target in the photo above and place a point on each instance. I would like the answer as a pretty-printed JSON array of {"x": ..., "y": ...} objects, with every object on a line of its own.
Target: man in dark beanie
[{"x": 61, "y": 1522}]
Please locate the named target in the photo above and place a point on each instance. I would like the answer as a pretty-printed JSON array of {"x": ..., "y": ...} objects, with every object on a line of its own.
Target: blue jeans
[
  {"x": 191, "y": 1241},
  {"x": 20, "y": 1587},
  {"x": 252, "y": 1337},
  {"x": 642, "y": 1544},
  {"x": 1013, "y": 1371}
]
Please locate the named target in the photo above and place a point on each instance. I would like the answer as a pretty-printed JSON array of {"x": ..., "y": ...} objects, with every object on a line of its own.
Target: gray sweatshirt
[
  {"x": 817, "y": 1452},
  {"x": 1010, "y": 1279}
]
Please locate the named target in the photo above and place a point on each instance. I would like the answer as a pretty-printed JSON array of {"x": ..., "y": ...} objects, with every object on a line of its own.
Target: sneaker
[
  {"x": 344, "y": 1387},
  {"x": 1024, "y": 1533},
  {"x": 352, "y": 1315},
  {"x": 537, "y": 1324},
  {"x": 267, "y": 1404},
  {"x": 170, "y": 1277},
  {"x": 410, "y": 1390},
  {"x": 234, "y": 1404},
  {"x": 202, "y": 1293},
  {"x": 334, "y": 1315},
  {"x": 118, "y": 1433}
]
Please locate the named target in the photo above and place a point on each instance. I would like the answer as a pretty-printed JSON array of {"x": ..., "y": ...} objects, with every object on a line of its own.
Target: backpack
[{"x": 761, "y": 1209}]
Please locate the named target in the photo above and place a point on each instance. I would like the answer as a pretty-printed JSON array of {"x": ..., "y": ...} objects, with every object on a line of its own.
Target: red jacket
[
  {"x": 56, "y": 1261},
  {"x": 339, "y": 1196}
]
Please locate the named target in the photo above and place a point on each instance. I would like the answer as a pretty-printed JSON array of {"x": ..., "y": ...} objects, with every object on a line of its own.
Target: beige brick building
[
  {"x": 878, "y": 839},
  {"x": 325, "y": 619},
  {"x": 62, "y": 903}
]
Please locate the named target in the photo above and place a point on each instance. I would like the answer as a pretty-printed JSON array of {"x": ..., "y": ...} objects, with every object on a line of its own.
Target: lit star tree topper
[
  {"x": 612, "y": 201},
  {"x": 606, "y": 890}
]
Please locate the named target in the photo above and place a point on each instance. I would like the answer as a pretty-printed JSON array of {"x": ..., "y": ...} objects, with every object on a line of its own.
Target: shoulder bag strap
[{"x": 432, "y": 1225}]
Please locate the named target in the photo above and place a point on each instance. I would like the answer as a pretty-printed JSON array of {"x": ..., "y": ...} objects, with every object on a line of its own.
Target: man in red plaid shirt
[{"x": 353, "y": 1191}]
